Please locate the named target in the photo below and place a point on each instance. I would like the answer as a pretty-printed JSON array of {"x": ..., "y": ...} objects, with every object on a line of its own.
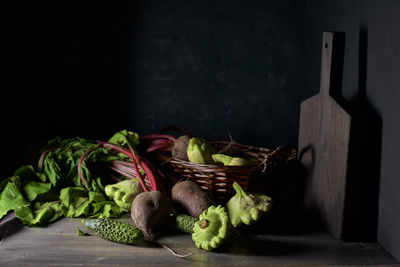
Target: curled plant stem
[
  {"x": 80, "y": 165},
  {"x": 41, "y": 160}
]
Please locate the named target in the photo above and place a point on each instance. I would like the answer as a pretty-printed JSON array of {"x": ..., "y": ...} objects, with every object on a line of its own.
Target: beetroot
[
  {"x": 149, "y": 210},
  {"x": 189, "y": 197}
]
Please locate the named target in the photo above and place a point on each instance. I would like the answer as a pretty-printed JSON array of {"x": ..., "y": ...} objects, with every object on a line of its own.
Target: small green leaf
[
  {"x": 125, "y": 138},
  {"x": 81, "y": 233},
  {"x": 51, "y": 168}
]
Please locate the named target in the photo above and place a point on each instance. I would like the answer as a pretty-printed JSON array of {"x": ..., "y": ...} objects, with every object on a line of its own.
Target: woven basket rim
[{"x": 266, "y": 152}]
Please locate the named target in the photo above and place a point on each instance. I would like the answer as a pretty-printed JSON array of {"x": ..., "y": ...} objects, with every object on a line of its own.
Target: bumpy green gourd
[
  {"x": 246, "y": 207},
  {"x": 229, "y": 161},
  {"x": 212, "y": 228},
  {"x": 124, "y": 192},
  {"x": 200, "y": 151},
  {"x": 185, "y": 223},
  {"x": 115, "y": 231}
]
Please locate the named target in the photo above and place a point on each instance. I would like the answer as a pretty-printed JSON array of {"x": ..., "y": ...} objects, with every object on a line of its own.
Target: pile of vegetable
[
  {"x": 101, "y": 180},
  {"x": 79, "y": 178}
]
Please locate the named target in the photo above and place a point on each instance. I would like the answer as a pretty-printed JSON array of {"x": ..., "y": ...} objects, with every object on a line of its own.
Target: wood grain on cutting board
[{"x": 324, "y": 139}]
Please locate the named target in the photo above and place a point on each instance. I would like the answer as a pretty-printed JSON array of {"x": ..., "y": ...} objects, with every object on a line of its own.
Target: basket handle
[{"x": 176, "y": 129}]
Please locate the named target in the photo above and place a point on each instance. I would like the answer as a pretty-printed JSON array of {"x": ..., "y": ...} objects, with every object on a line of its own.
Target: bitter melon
[{"x": 114, "y": 230}]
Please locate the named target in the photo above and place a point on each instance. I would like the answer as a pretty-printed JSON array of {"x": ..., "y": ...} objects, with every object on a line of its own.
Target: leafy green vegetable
[
  {"x": 125, "y": 138},
  {"x": 32, "y": 189},
  {"x": 41, "y": 214},
  {"x": 77, "y": 201},
  {"x": 51, "y": 169},
  {"x": 12, "y": 197},
  {"x": 69, "y": 181},
  {"x": 106, "y": 209},
  {"x": 81, "y": 233}
]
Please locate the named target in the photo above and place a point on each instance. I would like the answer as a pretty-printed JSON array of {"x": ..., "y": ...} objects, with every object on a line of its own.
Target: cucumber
[
  {"x": 183, "y": 223},
  {"x": 115, "y": 231}
]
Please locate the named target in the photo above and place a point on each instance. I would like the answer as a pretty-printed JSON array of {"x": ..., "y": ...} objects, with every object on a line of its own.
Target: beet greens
[{"x": 70, "y": 178}]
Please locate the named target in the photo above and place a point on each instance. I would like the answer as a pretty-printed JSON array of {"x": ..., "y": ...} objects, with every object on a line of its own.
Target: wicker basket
[{"x": 269, "y": 165}]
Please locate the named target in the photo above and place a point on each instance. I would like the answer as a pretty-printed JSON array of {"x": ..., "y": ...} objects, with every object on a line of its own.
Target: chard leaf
[
  {"x": 27, "y": 173},
  {"x": 51, "y": 169},
  {"x": 81, "y": 233},
  {"x": 41, "y": 215},
  {"x": 125, "y": 138},
  {"x": 77, "y": 201},
  {"x": 3, "y": 184},
  {"x": 33, "y": 189},
  {"x": 11, "y": 197},
  {"x": 106, "y": 209},
  {"x": 97, "y": 185}
]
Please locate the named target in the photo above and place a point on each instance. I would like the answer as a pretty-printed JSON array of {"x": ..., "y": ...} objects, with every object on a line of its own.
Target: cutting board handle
[{"x": 332, "y": 63}]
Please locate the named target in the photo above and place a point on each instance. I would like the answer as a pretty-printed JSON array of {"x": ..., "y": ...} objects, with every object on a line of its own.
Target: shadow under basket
[{"x": 263, "y": 175}]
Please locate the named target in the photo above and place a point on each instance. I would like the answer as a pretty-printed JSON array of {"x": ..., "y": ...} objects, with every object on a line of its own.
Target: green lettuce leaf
[
  {"x": 51, "y": 168},
  {"x": 33, "y": 189},
  {"x": 77, "y": 201},
  {"x": 41, "y": 214},
  {"x": 125, "y": 138},
  {"x": 27, "y": 173},
  {"x": 106, "y": 209},
  {"x": 11, "y": 196}
]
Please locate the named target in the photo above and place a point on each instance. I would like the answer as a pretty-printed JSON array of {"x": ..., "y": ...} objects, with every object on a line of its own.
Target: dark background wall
[{"x": 215, "y": 67}]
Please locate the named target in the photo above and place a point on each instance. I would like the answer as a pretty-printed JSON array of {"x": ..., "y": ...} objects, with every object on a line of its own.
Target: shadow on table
[
  {"x": 9, "y": 225},
  {"x": 269, "y": 247}
]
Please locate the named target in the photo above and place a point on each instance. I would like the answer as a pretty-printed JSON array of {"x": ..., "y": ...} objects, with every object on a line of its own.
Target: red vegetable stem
[
  {"x": 153, "y": 172},
  {"x": 87, "y": 152},
  {"x": 154, "y": 147},
  {"x": 116, "y": 148},
  {"x": 135, "y": 162},
  {"x": 150, "y": 176},
  {"x": 41, "y": 161},
  {"x": 124, "y": 167},
  {"x": 162, "y": 141},
  {"x": 137, "y": 170},
  {"x": 122, "y": 172},
  {"x": 148, "y": 137},
  {"x": 115, "y": 178}
]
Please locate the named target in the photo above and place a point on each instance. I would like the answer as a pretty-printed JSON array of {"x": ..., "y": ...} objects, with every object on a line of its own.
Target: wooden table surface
[{"x": 59, "y": 244}]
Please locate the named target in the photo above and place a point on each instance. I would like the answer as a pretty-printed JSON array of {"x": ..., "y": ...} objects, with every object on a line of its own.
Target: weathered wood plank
[
  {"x": 59, "y": 244},
  {"x": 324, "y": 140}
]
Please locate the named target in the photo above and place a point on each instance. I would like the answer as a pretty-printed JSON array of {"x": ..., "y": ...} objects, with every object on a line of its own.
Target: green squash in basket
[
  {"x": 200, "y": 151},
  {"x": 229, "y": 161}
]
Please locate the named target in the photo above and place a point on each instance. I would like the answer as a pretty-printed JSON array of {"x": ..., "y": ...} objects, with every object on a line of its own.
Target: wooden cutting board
[{"x": 324, "y": 139}]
